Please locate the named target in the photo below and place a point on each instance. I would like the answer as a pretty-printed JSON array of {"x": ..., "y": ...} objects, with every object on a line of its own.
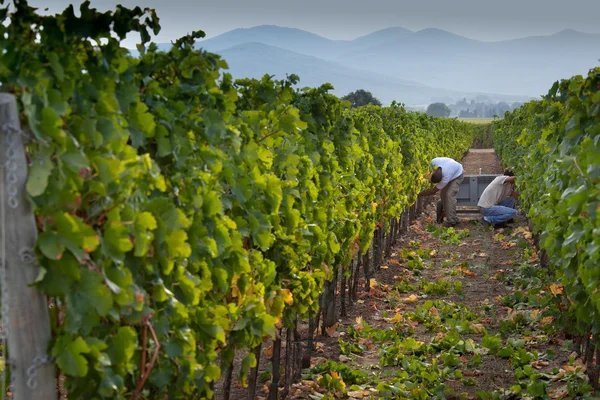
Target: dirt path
[
  {"x": 481, "y": 158},
  {"x": 455, "y": 313}
]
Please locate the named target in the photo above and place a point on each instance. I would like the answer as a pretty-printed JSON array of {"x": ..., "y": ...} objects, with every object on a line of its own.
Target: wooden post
[{"x": 25, "y": 317}]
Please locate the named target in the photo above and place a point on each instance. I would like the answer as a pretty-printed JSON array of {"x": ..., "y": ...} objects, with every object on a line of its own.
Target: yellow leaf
[
  {"x": 373, "y": 282},
  {"x": 287, "y": 297},
  {"x": 547, "y": 320},
  {"x": 557, "y": 289},
  {"x": 432, "y": 253},
  {"x": 384, "y": 267},
  {"x": 337, "y": 376},
  {"x": 477, "y": 328},
  {"x": 410, "y": 299},
  {"x": 397, "y": 318}
]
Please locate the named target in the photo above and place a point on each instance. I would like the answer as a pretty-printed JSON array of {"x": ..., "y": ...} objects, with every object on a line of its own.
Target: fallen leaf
[
  {"x": 366, "y": 342},
  {"x": 558, "y": 392},
  {"x": 384, "y": 267},
  {"x": 344, "y": 358},
  {"x": 539, "y": 364},
  {"x": 397, "y": 318},
  {"x": 332, "y": 329},
  {"x": 477, "y": 328},
  {"x": 359, "y": 324},
  {"x": 410, "y": 299},
  {"x": 560, "y": 375},
  {"x": 547, "y": 320},
  {"x": 557, "y": 289},
  {"x": 373, "y": 283}
]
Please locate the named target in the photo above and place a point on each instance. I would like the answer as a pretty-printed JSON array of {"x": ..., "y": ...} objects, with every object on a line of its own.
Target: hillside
[
  {"x": 257, "y": 59},
  {"x": 288, "y": 38},
  {"x": 438, "y": 58}
]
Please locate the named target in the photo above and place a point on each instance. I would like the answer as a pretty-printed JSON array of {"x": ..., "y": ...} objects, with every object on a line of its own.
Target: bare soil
[{"x": 485, "y": 159}]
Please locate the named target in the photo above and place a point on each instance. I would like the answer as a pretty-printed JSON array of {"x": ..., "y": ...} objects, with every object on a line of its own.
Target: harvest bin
[{"x": 470, "y": 191}]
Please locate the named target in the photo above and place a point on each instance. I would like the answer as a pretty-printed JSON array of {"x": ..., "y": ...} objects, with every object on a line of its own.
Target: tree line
[{"x": 461, "y": 109}]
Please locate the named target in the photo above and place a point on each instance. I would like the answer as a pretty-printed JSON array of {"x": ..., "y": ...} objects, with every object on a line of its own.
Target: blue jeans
[{"x": 501, "y": 212}]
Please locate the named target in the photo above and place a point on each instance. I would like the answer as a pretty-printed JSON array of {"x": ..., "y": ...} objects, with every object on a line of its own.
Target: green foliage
[
  {"x": 448, "y": 235},
  {"x": 170, "y": 198},
  {"x": 552, "y": 144},
  {"x": 441, "y": 287},
  {"x": 361, "y": 98},
  {"x": 438, "y": 110},
  {"x": 483, "y": 137}
]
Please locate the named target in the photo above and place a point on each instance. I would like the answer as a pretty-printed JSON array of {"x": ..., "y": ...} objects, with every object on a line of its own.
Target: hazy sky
[{"x": 347, "y": 19}]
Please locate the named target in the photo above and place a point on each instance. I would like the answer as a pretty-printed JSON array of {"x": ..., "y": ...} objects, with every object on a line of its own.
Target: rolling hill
[
  {"x": 287, "y": 38},
  {"x": 257, "y": 59},
  {"x": 438, "y": 58}
]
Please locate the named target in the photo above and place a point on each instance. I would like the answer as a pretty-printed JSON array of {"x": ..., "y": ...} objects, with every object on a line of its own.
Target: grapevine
[
  {"x": 553, "y": 146},
  {"x": 185, "y": 217}
]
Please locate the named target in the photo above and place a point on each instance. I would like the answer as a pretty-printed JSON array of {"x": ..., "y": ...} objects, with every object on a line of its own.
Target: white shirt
[
  {"x": 450, "y": 170},
  {"x": 497, "y": 191}
]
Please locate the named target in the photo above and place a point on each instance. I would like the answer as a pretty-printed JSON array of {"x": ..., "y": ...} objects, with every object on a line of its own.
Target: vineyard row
[
  {"x": 184, "y": 217},
  {"x": 553, "y": 145}
]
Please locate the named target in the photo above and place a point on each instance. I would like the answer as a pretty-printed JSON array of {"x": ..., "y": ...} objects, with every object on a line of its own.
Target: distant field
[{"x": 478, "y": 120}]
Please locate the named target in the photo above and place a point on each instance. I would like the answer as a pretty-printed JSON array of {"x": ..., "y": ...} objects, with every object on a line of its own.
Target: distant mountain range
[
  {"x": 255, "y": 59},
  {"x": 415, "y": 68}
]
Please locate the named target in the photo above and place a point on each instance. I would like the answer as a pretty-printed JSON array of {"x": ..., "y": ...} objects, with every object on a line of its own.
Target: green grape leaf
[
  {"x": 40, "y": 171},
  {"x": 50, "y": 245},
  {"x": 121, "y": 347},
  {"x": 69, "y": 355}
]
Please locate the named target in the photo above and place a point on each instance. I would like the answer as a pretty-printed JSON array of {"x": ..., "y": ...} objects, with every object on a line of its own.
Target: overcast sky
[{"x": 347, "y": 19}]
